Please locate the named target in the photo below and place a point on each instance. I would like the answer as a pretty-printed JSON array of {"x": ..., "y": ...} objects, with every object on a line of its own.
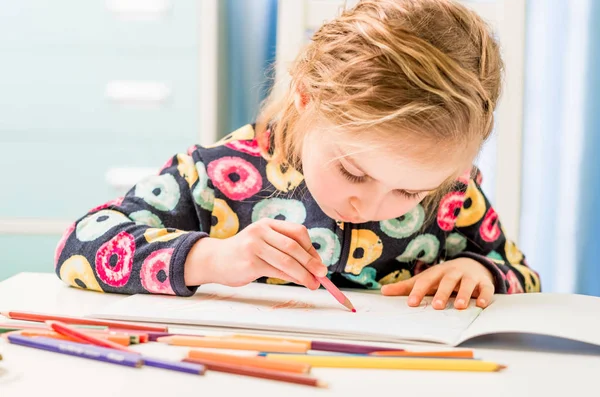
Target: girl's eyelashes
[
  {"x": 363, "y": 178},
  {"x": 408, "y": 195},
  {"x": 351, "y": 177}
]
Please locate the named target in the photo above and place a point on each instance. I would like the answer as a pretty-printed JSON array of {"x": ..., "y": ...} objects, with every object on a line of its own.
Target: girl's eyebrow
[{"x": 349, "y": 159}]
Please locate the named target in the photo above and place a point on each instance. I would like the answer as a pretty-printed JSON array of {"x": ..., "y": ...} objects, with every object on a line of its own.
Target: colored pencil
[
  {"x": 250, "y": 361},
  {"x": 78, "y": 350},
  {"x": 10, "y": 328},
  {"x": 345, "y": 347},
  {"x": 40, "y": 318},
  {"x": 408, "y": 363},
  {"x": 258, "y": 372},
  {"x": 322, "y": 346},
  {"x": 79, "y": 336},
  {"x": 234, "y": 344},
  {"x": 189, "y": 368},
  {"x": 153, "y": 336},
  {"x": 275, "y": 339},
  {"x": 403, "y": 353},
  {"x": 137, "y": 336},
  {"x": 337, "y": 294},
  {"x": 20, "y": 325},
  {"x": 120, "y": 339}
]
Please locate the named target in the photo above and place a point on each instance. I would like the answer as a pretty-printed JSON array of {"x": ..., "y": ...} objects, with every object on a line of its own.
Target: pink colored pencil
[{"x": 337, "y": 294}]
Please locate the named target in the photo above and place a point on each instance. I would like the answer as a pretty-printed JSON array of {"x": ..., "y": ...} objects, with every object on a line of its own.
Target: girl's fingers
[
  {"x": 287, "y": 264},
  {"x": 294, "y": 240},
  {"x": 270, "y": 271},
  {"x": 423, "y": 285},
  {"x": 401, "y": 288},
  {"x": 449, "y": 282},
  {"x": 465, "y": 292},
  {"x": 486, "y": 292},
  {"x": 293, "y": 231}
]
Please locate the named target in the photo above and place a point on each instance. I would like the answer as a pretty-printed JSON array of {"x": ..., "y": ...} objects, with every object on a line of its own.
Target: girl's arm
[
  {"x": 139, "y": 243},
  {"x": 477, "y": 234}
]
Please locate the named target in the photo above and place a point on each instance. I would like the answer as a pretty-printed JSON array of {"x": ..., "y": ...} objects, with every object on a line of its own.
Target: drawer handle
[
  {"x": 138, "y": 92},
  {"x": 139, "y": 9}
]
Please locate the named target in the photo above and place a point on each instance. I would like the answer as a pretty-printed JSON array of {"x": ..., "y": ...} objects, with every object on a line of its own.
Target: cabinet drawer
[
  {"x": 93, "y": 26},
  {"x": 63, "y": 181},
  {"x": 116, "y": 99}
]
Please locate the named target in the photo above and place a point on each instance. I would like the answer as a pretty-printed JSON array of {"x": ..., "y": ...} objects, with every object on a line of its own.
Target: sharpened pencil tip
[
  {"x": 322, "y": 384},
  {"x": 349, "y": 305},
  {"x": 501, "y": 367}
]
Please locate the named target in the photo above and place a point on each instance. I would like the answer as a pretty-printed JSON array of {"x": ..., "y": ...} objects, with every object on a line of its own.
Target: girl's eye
[
  {"x": 351, "y": 177},
  {"x": 408, "y": 195}
]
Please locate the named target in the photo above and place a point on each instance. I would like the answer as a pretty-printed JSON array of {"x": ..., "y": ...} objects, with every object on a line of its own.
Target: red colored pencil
[
  {"x": 337, "y": 294},
  {"x": 82, "y": 337},
  {"x": 40, "y": 318}
]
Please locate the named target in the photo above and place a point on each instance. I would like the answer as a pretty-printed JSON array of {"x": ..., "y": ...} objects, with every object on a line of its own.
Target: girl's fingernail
[
  {"x": 412, "y": 300},
  {"x": 460, "y": 302},
  {"x": 439, "y": 303},
  {"x": 482, "y": 301},
  {"x": 323, "y": 272}
]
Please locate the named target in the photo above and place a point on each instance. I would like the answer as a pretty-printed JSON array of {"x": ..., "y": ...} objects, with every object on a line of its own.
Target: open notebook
[{"x": 263, "y": 307}]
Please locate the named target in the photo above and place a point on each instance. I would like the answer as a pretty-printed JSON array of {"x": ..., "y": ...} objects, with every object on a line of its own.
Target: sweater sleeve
[
  {"x": 139, "y": 243},
  {"x": 476, "y": 233}
]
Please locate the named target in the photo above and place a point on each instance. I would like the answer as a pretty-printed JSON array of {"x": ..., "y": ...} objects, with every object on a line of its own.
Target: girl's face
[{"x": 354, "y": 183}]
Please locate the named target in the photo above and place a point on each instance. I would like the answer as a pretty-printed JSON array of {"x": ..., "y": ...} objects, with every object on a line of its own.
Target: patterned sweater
[{"x": 139, "y": 243}]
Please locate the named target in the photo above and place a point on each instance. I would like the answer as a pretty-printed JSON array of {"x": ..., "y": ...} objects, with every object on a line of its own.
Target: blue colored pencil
[
  {"x": 178, "y": 366},
  {"x": 78, "y": 350}
]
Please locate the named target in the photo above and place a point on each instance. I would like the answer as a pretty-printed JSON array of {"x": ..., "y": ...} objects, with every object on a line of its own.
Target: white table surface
[{"x": 536, "y": 367}]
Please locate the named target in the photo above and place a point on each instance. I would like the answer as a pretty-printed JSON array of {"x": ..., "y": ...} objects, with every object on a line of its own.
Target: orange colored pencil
[
  {"x": 250, "y": 361},
  {"x": 45, "y": 333},
  {"x": 40, "y": 318},
  {"x": 401, "y": 353},
  {"x": 258, "y": 372},
  {"x": 234, "y": 344},
  {"x": 83, "y": 337}
]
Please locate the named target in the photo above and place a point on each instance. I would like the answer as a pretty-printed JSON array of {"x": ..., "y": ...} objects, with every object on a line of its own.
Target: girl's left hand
[{"x": 465, "y": 276}]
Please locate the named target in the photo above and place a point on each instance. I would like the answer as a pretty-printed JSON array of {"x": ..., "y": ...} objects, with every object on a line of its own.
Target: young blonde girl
[{"x": 362, "y": 172}]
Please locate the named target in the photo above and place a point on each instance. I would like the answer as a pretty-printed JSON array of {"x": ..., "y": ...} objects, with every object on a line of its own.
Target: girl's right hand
[{"x": 269, "y": 248}]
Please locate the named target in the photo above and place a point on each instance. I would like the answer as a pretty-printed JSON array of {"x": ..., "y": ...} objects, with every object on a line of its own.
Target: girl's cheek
[{"x": 395, "y": 208}]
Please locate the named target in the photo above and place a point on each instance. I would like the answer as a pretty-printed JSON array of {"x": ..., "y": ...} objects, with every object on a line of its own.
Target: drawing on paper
[{"x": 294, "y": 304}]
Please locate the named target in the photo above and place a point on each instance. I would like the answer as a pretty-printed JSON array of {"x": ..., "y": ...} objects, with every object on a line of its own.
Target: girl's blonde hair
[{"x": 428, "y": 69}]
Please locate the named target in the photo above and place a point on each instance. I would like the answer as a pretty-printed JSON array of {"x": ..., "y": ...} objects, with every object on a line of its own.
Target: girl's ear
[{"x": 301, "y": 99}]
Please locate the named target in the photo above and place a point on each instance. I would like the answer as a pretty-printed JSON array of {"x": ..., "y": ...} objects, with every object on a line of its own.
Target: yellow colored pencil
[
  {"x": 422, "y": 364},
  {"x": 234, "y": 344}
]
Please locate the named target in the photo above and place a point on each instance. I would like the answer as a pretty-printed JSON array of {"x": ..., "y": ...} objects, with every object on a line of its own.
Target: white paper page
[
  {"x": 293, "y": 309},
  {"x": 575, "y": 317}
]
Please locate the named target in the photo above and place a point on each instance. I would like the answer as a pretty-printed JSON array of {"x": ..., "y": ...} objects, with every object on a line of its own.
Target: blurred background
[{"x": 94, "y": 95}]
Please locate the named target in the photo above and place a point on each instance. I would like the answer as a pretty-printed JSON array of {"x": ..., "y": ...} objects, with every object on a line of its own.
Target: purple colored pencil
[
  {"x": 347, "y": 348},
  {"x": 189, "y": 368},
  {"x": 153, "y": 336},
  {"x": 78, "y": 350}
]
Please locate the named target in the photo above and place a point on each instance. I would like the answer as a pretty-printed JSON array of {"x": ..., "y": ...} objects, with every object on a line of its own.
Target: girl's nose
[{"x": 365, "y": 210}]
